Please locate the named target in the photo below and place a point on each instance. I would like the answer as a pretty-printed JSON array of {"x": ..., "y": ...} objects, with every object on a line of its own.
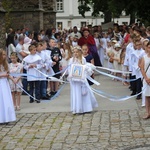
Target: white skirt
[
  {"x": 7, "y": 112},
  {"x": 146, "y": 88}
]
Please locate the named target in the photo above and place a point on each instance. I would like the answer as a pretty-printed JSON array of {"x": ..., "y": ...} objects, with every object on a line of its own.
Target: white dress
[
  {"x": 15, "y": 68},
  {"x": 7, "y": 112},
  {"x": 82, "y": 98},
  {"x": 116, "y": 64},
  {"x": 146, "y": 91}
]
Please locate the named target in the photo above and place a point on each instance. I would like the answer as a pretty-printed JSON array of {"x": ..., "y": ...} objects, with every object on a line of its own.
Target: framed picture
[{"x": 77, "y": 71}]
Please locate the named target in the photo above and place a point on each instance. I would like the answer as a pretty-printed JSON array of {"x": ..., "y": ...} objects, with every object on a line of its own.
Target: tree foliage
[{"x": 134, "y": 8}]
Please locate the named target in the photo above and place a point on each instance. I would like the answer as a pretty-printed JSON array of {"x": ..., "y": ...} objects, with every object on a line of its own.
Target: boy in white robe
[
  {"x": 45, "y": 65},
  {"x": 33, "y": 63},
  {"x": 135, "y": 57}
]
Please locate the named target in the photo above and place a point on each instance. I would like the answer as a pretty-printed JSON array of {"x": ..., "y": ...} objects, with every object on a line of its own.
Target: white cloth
[
  {"x": 109, "y": 51},
  {"x": 11, "y": 48},
  {"x": 50, "y": 70},
  {"x": 15, "y": 68},
  {"x": 7, "y": 112},
  {"x": 34, "y": 75},
  {"x": 77, "y": 34},
  {"x": 19, "y": 49},
  {"x": 82, "y": 98},
  {"x": 45, "y": 64},
  {"x": 26, "y": 48},
  {"x": 146, "y": 92},
  {"x": 116, "y": 64},
  {"x": 127, "y": 60},
  {"x": 135, "y": 57}
]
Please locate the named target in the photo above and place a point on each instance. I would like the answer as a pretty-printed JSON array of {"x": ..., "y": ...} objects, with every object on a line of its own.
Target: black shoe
[
  {"x": 55, "y": 92},
  {"x": 23, "y": 93},
  {"x": 45, "y": 98},
  {"x": 31, "y": 101},
  {"x": 130, "y": 87},
  {"x": 138, "y": 97},
  {"x": 51, "y": 93},
  {"x": 47, "y": 95},
  {"x": 38, "y": 101},
  {"x": 133, "y": 93}
]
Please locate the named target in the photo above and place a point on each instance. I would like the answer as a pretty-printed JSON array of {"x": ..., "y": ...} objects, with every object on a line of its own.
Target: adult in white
[
  {"x": 27, "y": 43},
  {"x": 75, "y": 33},
  {"x": 137, "y": 54},
  {"x": 22, "y": 54}
]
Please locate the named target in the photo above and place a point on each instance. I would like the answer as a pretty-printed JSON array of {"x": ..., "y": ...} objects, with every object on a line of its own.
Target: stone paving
[
  {"x": 118, "y": 129},
  {"x": 100, "y": 130}
]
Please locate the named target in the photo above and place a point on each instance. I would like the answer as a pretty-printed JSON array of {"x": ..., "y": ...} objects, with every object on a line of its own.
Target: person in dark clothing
[{"x": 56, "y": 57}]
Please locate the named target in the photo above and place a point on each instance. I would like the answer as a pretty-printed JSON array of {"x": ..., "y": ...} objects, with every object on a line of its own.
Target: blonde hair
[
  {"x": 68, "y": 47},
  {"x": 31, "y": 47},
  {"x": 3, "y": 61},
  {"x": 14, "y": 54},
  {"x": 79, "y": 50}
]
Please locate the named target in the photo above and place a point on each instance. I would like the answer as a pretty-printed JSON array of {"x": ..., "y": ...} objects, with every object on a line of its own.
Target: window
[
  {"x": 69, "y": 23},
  {"x": 59, "y": 5},
  {"x": 82, "y": 3},
  {"x": 125, "y": 23},
  {"x": 83, "y": 24},
  {"x": 60, "y": 25}
]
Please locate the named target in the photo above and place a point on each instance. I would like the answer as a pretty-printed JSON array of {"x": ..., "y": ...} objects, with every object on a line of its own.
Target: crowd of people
[{"x": 48, "y": 53}]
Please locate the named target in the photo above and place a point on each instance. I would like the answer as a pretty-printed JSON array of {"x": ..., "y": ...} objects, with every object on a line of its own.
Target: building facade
[
  {"x": 68, "y": 16},
  {"x": 33, "y": 14}
]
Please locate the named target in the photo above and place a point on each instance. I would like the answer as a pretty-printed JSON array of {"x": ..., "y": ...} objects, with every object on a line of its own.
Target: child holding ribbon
[
  {"x": 15, "y": 83},
  {"x": 82, "y": 98},
  {"x": 7, "y": 113},
  {"x": 33, "y": 63}
]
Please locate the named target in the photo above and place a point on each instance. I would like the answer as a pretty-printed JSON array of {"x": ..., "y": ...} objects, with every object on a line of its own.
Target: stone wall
[
  {"x": 35, "y": 14},
  {"x": 2, "y": 31},
  {"x": 2, "y": 28}
]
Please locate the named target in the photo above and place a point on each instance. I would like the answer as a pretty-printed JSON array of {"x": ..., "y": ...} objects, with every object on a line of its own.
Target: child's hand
[
  {"x": 32, "y": 65},
  {"x": 148, "y": 81},
  {"x": 56, "y": 58},
  {"x": 53, "y": 63},
  {"x": 5, "y": 75},
  {"x": 15, "y": 81}
]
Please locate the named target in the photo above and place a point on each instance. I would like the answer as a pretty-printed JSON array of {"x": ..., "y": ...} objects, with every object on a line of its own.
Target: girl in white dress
[
  {"x": 116, "y": 58},
  {"x": 15, "y": 83},
  {"x": 82, "y": 98},
  {"x": 7, "y": 112},
  {"x": 145, "y": 69},
  {"x": 66, "y": 55}
]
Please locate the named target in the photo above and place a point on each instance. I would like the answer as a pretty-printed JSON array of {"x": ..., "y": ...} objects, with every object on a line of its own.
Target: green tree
[
  {"x": 97, "y": 6},
  {"x": 114, "y": 8}
]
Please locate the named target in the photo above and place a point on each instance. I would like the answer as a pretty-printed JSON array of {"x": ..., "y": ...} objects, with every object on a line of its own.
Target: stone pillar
[
  {"x": 2, "y": 27},
  {"x": 41, "y": 10}
]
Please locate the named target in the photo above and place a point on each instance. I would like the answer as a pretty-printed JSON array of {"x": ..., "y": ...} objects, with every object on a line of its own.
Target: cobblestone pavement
[
  {"x": 110, "y": 129},
  {"x": 100, "y": 130}
]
